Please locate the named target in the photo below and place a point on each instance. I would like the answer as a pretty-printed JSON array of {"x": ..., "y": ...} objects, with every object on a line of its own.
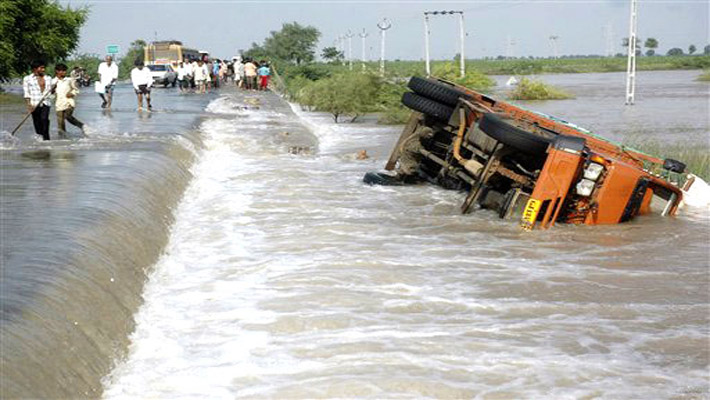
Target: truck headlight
[
  {"x": 585, "y": 187},
  {"x": 593, "y": 171}
]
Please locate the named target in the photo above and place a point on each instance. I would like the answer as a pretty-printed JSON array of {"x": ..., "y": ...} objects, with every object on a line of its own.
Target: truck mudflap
[{"x": 563, "y": 165}]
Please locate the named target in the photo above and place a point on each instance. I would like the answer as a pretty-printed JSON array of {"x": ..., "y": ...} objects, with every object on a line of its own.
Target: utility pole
[
  {"x": 341, "y": 48},
  {"x": 426, "y": 43},
  {"x": 509, "y": 53},
  {"x": 462, "y": 35},
  {"x": 383, "y": 26},
  {"x": 609, "y": 34},
  {"x": 631, "y": 62},
  {"x": 553, "y": 42},
  {"x": 363, "y": 35},
  {"x": 350, "y": 49}
]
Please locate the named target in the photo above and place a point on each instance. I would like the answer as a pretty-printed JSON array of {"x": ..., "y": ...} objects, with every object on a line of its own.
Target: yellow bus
[{"x": 168, "y": 52}]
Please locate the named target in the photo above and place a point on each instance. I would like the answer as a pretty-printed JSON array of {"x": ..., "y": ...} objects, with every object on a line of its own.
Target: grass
[
  {"x": 704, "y": 77},
  {"x": 527, "y": 66},
  {"x": 696, "y": 156},
  {"x": 473, "y": 79},
  {"x": 530, "y": 89},
  {"x": 10, "y": 98}
]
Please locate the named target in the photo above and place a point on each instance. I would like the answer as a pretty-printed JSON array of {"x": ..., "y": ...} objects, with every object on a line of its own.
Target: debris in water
[{"x": 303, "y": 150}]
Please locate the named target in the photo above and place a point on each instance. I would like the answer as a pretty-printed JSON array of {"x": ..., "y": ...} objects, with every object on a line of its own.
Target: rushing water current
[{"x": 236, "y": 253}]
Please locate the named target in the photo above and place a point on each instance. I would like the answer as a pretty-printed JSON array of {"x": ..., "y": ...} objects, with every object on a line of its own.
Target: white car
[{"x": 163, "y": 73}]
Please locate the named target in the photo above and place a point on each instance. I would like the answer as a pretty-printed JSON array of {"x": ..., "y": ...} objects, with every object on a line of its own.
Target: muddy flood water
[{"x": 225, "y": 247}]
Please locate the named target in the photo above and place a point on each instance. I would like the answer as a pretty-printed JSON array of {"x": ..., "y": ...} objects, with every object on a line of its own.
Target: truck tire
[
  {"x": 382, "y": 179},
  {"x": 496, "y": 127},
  {"x": 435, "y": 90},
  {"x": 672, "y": 165},
  {"x": 425, "y": 106}
]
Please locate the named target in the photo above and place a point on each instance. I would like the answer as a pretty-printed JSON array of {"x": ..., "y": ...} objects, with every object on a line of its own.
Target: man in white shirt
[
  {"x": 182, "y": 75},
  {"x": 201, "y": 75},
  {"x": 239, "y": 72},
  {"x": 142, "y": 82},
  {"x": 66, "y": 91},
  {"x": 108, "y": 74},
  {"x": 37, "y": 88}
]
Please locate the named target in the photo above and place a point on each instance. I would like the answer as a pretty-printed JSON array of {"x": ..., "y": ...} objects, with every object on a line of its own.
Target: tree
[
  {"x": 36, "y": 29},
  {"x": 134, "y": 53},
  {"x": 691, "y": 49},
  {"x": 256, "y": 52},
  {"x": 332, "y": 55},
  {"x": 675, "y": 52},
  {"x": 343, "y": 94},
  {"x": 706, "y": 51},
  {"x": 293, "y": 43},
  {"x": 651, "y": 44},
  {"x": 625, "y": 43}
]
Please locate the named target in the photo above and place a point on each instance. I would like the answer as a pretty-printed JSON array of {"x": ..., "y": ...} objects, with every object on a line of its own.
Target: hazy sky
[{"x": 222, "y": 27}]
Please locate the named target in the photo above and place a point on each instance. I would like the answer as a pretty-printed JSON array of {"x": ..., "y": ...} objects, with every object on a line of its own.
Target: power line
[{"x": 461, "y": 38}]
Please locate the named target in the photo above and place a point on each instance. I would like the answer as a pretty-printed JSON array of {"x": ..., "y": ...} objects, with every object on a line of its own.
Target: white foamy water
[{"x": 286, "y": 277}]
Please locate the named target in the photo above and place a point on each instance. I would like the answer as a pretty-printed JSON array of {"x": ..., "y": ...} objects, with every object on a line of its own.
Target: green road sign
[{"x": 113, "y": 49}]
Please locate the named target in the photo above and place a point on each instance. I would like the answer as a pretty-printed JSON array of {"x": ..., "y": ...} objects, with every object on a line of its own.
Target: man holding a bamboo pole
[{"x": 37, "y": 88}]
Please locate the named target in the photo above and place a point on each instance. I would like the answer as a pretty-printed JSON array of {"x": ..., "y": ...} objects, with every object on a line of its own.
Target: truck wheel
[
  {"x": 435, "y": 90},
  {"x": 673, "y": 165},
  {"x": 383, "y": 179},
  {"x": 426, "y": 106},
  {"x": 496, "y": 127}
]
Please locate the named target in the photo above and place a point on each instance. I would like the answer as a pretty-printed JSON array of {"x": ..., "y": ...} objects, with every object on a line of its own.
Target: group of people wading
[
  {"x": 252, "y": 75},
  {"x": 192, "y": 75},
  {"x": 200, "y": 75}
]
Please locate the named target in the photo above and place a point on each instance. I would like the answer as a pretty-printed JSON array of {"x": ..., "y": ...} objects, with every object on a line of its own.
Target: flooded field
[{"x": 225, "y": 247}]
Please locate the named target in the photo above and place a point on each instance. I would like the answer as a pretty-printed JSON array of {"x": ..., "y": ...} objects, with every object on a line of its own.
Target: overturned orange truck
[{"x": 524, "y": 164}]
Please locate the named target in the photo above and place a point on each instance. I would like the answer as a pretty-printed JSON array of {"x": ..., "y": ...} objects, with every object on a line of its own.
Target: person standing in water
[
  {"x": 182, "y": 76},
  {"x": 66, "y": 90},
  {"x": 239, "y": 72},
  {"x": 250, "y": 74},
  {"x": 37, "y": 88},
  {"x": 108, "y": 74},
  {"x": 264, "y": 72},
  {"x": 142, "y": 82}
]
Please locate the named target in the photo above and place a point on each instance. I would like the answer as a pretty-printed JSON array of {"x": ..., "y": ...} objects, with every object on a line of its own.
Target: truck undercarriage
[{"x": 524, "y": 164}]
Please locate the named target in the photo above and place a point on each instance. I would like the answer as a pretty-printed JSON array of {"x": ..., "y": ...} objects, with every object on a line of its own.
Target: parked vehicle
[
  {"x": 168, "y": 52},
  {"x": 163, "y": 74},
  {"x": 85, "y": 79},
  {"x": 524, "y": 164}
]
